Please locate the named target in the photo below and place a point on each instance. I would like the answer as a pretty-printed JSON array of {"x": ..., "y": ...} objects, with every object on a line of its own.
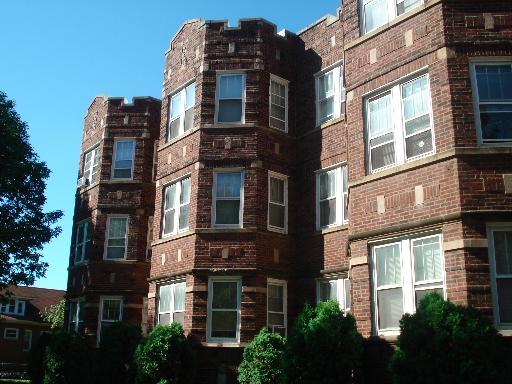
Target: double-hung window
[
  {"x": 90, "y": 169},
  {"x": 334, "y": 289},
  {"x": 83, "y": 239},
  {"x": 330, "y": 94},
  {"x": 11, "y": 333},
  {"x": 181, "y": 114},
  {"x": 332, "y": 197},
  {"x": 492, "y": 92},
  {"x": 117, "y": 237},
  {"x": 171, "y": 303},
  {"x": 376, "y": 13},
  {"x": 111, "y": 311},
  {"x": 123, "y": 160},
  {"x": 76, "y": 315},
  {"x": 27, "y": 340},
  {"x": 399, "y": 125},
  {"x": 228, "y": 198},
  {"x": 224, "y": 298},
  {"x": 404, "y": 271},
  {"x": 277, "y": 202},
  {"x": 176, "y": 207},
  {"x": 500, "y": 257},
  {"x": 13, "y": 307},
  {"x": 277, "y": 306},
  {"x": 278, "y": 103},
  {"x": 230, "y": 98}
]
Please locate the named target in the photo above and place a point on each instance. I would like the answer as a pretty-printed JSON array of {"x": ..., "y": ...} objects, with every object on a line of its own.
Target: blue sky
[{"x": 58, "y": 54}]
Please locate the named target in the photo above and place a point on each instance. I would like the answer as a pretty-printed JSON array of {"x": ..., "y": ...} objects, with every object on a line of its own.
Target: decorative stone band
[{"x": 465, "y": 243}]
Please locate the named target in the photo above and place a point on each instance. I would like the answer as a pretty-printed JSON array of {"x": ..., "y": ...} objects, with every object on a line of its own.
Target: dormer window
[{"x": 13, "y": 307}]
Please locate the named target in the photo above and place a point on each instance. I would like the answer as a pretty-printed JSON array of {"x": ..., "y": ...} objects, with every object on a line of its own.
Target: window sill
[
  {"x": 323, "y": 126},
  {"x": 223, "y": 344},
  {"x": 87, "y": 188},
  {"x": 505, "y": 332},
  {"x": 228, "y": 125},
  {"x": 224, "y": 230},
  {"x": 337, "y": 228},
  {"x": 277, "y": 230},
  {"x": 179, "y": 138},
  {"x": 173, "y": 237}
]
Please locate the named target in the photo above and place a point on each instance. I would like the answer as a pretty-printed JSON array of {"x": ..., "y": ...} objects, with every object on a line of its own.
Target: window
[
  {"x": 329, "y": 95},
  {"x": 230, "y": 101},
  {"x": 176, "y": 207},
  {"x": 13, "y": 307},
  {"x": 403, "y": 273},
  {"x": 278, "y": 103},
  {"x": 76, "y": 315},
  {"x": 277, "y": 202},
  {"x": 181, "y": 111},
  {"x": 83, "y": 239},
  {"x": 90, "y": 170},
  {"x": 492, "y": 90},
  {"x": 149, "y": 238},
  {"x": 500, "y": 257},
  {"x": 332, "y": 197},
  {"x": 224, "y": 296},
  {"x": 334, "y": 289},
  {"x": 27, "y": 340},
  {"x": 376, "y": 13},
  {"x": 399, "y": 125},
  {"x": 117, "y": 237},
  {"x": 228, "y": 198},
  {"x": 276, "y": 306},
  {"x": 171, "y": 304},
  {"x": 11, "y": 333},
  {"x": 123, "y": 159},
  {"x": 111, "y": 311}
]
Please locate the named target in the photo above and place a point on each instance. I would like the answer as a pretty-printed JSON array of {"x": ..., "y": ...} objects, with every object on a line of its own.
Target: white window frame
[
  {"x": 105, "y": 251},
  {"x": 75, "y": 325},
  {"x": 284, "y": 179},
  {"x": 84, "y": 244},
  {"x": 27, "y": 338},
  {"x": 171, "y": 311},
  {"x": 90, "y": 170},
  {"x": 338, "y": 92},
  {"x": 490, "y": 60},
  {"x": 100, "y": 313},
  {"x": 214, "y": 198},
  {"x": 221, "y": 74},
  {"x": 491, "y": 228},
  {"x": 229, "y": 279},
  {"x": 11, "y": 338},
  {"x": 341, "y": 291},
  {"x": 408, "y": 285},
  {"x": 177, "y": 206},
  {"x": 5, "y": 308},
  {"x": 391, "y": 10},
  {"x": 149, "y": 238},
  {"x": 182, "y": 91},
  {"x": 284, "y": 284},
  {"x": 285, "y": 83},
  {"x": 123, "y": 140},
  {"x": 399, "y": 133},
  {"x": 341, "y": 194}
]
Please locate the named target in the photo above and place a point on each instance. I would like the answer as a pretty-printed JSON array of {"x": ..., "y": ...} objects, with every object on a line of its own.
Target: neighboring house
[
  {"x": 21, "y": 323},
  {"x": 366, "y": 159}
]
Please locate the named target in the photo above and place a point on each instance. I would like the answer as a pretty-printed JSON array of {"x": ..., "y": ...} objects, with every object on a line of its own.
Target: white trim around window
[
  {"x": 226, "y": 309},
  {"x": 181, "y": 110},
  {"x": 403, "y": 271},
  {"x": 277, "y": 214},
  {"x": 11, "y": 334},
  {"x": 109, "y": 314},
  {"x": 278, "y": 103},
  {"x": 116, "y": 241},
  {"x": 90, "y": 166},
  {"x": 123, "y": 158},
  {"x": 226, "y": 196},
  {"x": 384, "y": 11},
  {"x": 331, "y": 197},
  {"x": 82, "y": 241},
  {"x": 337, "y": 289},
  {"x": 176, "y": 209},
  {"x": 13, "y": 307},
  {"x": 277, "y": 306},
  {"x": 230, "y": 94},
  {"x": 330, "y": 93},
  {"x": 171, "y": 303},
  {"x": 27, "y": 340},
  {"x": 76, "y": 314},
  {"x": 500, "y": 260},
  {"x": 399, "y": 124}
]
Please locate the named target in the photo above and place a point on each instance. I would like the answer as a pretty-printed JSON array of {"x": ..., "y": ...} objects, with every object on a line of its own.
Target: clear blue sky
[{"x": 56, "y": 55}]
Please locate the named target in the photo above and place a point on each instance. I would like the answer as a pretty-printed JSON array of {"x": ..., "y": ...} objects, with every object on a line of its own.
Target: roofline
[{"x": 330, "y": 19}]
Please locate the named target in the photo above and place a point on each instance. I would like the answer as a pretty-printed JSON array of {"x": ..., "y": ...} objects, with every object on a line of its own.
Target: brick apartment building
[{"x": 366, "y": 159}]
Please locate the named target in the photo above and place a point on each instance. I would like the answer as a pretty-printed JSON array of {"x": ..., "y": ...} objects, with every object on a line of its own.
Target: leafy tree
[
  {"x": 24, "y": 227},
  {"x": 444, "y": 343},
  {"x": 54, "y": 314},
  {"x": 165, "y": 357},
  {"x": 262, "y": 359},
  {"x": 324, "y": 346}
]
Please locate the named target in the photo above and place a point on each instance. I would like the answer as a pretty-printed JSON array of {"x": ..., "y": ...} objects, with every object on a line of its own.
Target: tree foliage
[
  {"x": 262, "y": 360},
  {"x": 324, "y": 346},
  {"x": 24, "y": 227},
  {"x": 54, "y": 314},
  {"x": 444, "y": 343}
]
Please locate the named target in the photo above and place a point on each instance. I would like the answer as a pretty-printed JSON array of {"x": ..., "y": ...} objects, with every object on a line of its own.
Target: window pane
[
  {"x": 324, "y": 293},
  {"x": 224, "y": 324},
  {"x": 179, "y": 297},
  {"x": 230, "y": 111},
  {"x": 327, "y": 184},
  {"x": 348, "y": 295},
  {"x": 164, "y": 318},
  {"x": 169, "y": 221},
  {"x": 175, "y": 128},
  {"x": 117, "y": 227},
  {"x": 185, "y": 191},
  {"x": 189, "y": 119},
  {"x": 231, "y": 87},
  {"x": 274, "y": 123},
  {"x": 279, "y": 112},
  {"x": 389, "y": 269},
  {"x": 184, "y": 214},
  {"x": 227, "y": 212},
  {"x": 496, "y": 122},
  {"x": 419, "y": 144},
  {"x": 276, "y": 319},
  {"x": 111, "y": 310},
  {"x": 190, "y": 95},
  {"x": 123, "y": 173},
  {"x": 503, "y": 252},
  {"x": 124, "y": 151},
  {"x": 505, "y": 299},
  {"x": 427, "y": 260},
  {"x": 376, "y": 14},
  {"x": 422, "y": 293},
  {"x": 417, "y": 124},
  {"x": 276, "y": 190},
  {"x": 115, "y": 252},
  {"x": 165, "y": 299},
  {"x": 179, "y": 317},
  {"x": 415, "y": 99},
  {"x": 494, "y": 82},
  {"x": 176, "y": 105},
  {"x": 276, "y": 215},
  {"x": 390, "y": 304},
  {"x": 228, "y": 184},
  {"x": 406, "y": 5},
  {"x": 325, "y": 85},
  {"x": 380, "y": 116},
  {"x": 170, "y": 197},
  {"x": 326, "y": 109},
  {"x": 225, "y": 295},
  {"x": 383, "y": 156},
  {"x": 275, "y": 298},
  {"x": 327, "y": 212}
]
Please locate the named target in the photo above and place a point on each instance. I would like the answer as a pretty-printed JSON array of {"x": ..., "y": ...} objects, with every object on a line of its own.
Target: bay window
[
  {"x": 224, "y": 298},
  {"x": 171, "y": 303},
  {"x": 277, "y": 202},
  {"x": 181, "y": 111},
  {"x": 332, "y": 197},
  {"x": 176, "y": 207},
  {"x": 230, "y": 98},
  {"x": 227, "y": 210}
]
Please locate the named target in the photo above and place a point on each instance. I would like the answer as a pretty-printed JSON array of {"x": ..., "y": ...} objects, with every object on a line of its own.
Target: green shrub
[
  {"x": 445, "y": 343},
  {"x": 262, "y": 359},
  {"x": 324, "y": 346},
  {"x": 165, "y": 357},
  {"x": 115, "y": 357}
]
